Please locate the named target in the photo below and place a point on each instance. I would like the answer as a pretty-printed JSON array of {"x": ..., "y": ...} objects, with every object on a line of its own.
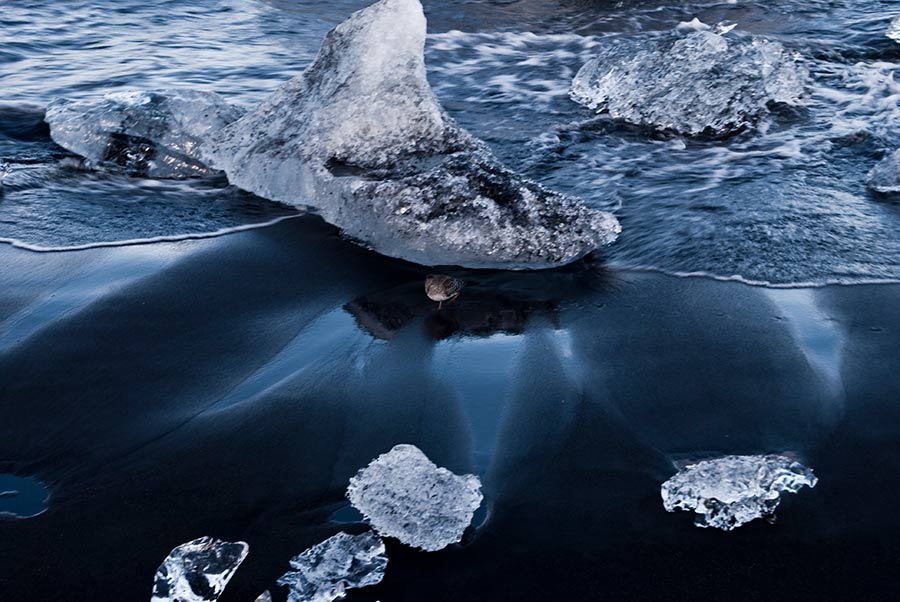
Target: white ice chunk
[
  {"x": 198, "y": 571},
  {"x": 405, "y": 495},
  {"x": 264, "y": 597},
  {"x": 699, "y": 83},
  {"x": 361, "y": 137},
  {"x": 150, "y": 134},
  {"x": 730, "y": 491},
  {"x": 893, "y": 31},
  {"x": 885, "y": 176},
  {"x": 326, "y": 570}
]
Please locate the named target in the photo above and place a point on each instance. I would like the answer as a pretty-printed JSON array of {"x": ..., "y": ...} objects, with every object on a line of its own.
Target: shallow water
[{"x": 785, "y": 204}]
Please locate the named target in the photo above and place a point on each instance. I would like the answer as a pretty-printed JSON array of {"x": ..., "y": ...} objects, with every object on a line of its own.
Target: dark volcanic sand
[{"x": 231, "y": 386}]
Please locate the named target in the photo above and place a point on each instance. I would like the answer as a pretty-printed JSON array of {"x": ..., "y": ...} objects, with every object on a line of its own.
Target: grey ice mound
[
  {"x": 328, "y": 569},
  {"x": 728, "y": 492},
  {"x": 150, "y": 134},
  {"x": 361, "y": 137},
  {"x": 695, "y": 81},
  {"x": 403, "y": 494},
  {"x": 198, "y": 570},
  {"x": 885, "y": 176},
  {"x": 893, "y": 31}
]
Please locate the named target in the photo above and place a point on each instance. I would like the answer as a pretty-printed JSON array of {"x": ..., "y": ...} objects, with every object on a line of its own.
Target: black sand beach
[{"x": 231, "y": 386}]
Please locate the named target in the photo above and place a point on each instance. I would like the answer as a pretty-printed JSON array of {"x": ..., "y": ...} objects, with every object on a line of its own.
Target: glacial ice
[
  {"x": 728, "y": 492},
  {"x": 885, "y": 176},
  {"x": 893, "y": 31},
  {"x": 326, "y": 570},
  {"x": 361, "y": 137},
  {"x": 149, "y": 134},
  {"x": 198, "y": 570},
  {"x": 694, "y": 81},
  {"x": 403, "y": 494}
]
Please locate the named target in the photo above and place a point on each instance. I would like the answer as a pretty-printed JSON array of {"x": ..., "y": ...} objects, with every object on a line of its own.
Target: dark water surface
[{"x": 230, "y": 386}]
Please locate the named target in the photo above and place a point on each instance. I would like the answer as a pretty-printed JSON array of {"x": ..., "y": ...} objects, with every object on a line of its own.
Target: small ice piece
[
  {"x": 405, "y": 495},
  {"x": 730, "y": 491},
  {"x": 148, "y": 134},
  {"x": 361, "y": 137},
  {"x": 695, "y": 81},
  {"x": 264, "y": 597},
  {"x": 328, "y": 569},
  {"x": 885, "y": 176},
  {"x": 694, "y": 24},
  {"x": 893, "y": 31},
  {"x": 198, "y": 570}
]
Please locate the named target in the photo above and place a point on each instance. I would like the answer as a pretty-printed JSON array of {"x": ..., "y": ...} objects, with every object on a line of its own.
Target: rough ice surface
[
  {"x": 696, "y": 81},
  {"x": 405, "y": 495},
  {"x": 149, "y": 134},
  {"x": 361, "y": 137},
  {"x": 885, "y": 176},
  {"x": 893, "y": 31},
  {"x": 730, "y": 491},
  {"x": 328, "y": 569},
  {"x": 198, "y": 571}
]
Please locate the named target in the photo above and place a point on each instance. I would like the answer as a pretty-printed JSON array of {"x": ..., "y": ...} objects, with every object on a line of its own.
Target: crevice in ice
[
  {"x": 404, "y": 495},
  {"x": 730, "y": 491},
  {"x": 327, "y": 570},
  {"x": 361, "y": 137},
  {"x": 198, "y": 571},
  {"x": 885, "y": 176},
  {"x": 695, "y": 81},
  {"x": 148, "y": 134}
]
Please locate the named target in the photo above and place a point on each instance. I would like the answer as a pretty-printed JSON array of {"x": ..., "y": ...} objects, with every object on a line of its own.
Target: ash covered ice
[
  {"x": 148, "y": 134},
  {"x": 885, "y": 176},
  {"x": 403, "y": 494},
  {"x": 327, "y": 570},
  {"x": 696, "y": 80},
  {"x": 198, "y": 570},
  {"x": 728, "y": 492},
  {"x": 361, "y": 137}
]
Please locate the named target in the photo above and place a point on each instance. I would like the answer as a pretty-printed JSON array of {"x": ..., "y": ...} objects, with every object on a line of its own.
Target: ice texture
[
  {"x": 728, "y": 492},
  {"x": 403, "y": 494},
  {"x": 150, "y": 134},
  {"x": 885, "y": 176},
  {"x": 696, "y": 80},
  {"x": 361, "y": 137},
  {"x": 198, "y": 570},
  {"x": 893, "y": 31},
  {"x": 326, "y": 570}
]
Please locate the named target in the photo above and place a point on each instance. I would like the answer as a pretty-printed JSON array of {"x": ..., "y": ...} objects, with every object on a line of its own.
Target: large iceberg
[
  {"x": 885, "y": 176},
  {"x": 198, "y": 570},
  {"x": 728, "y": 492},
  {"x": 150, "y": 134},
  {"x": 405, "y": 495},
  {"x": 696, "y": 80},
  {"x": 361, "y": 137},
  {"x": 328, "y": 569}
]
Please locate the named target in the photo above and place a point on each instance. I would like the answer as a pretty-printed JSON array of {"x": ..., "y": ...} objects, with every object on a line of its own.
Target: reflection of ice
[
  {"x": 728, "y": 492},
  {"x": 325, "y": 571},
  {"x": 405, "y": 495},
  {"x": 198, "y": 570}
]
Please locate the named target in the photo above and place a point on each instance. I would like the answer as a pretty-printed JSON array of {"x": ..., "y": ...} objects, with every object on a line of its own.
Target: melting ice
[
  {"x": 696, "y": 81},
  {"x": 361, "y": 136},
  {"x": 150, "y": 134},
  {"x": 728, "y": 492},
  {"x": 405, "y": 495},
  {"x": 326, "y": 570},
  {"x": 198, "y": 570}
]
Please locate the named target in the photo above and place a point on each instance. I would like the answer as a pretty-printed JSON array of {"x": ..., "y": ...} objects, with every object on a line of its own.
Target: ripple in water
[{"x": 21, "y": 497}]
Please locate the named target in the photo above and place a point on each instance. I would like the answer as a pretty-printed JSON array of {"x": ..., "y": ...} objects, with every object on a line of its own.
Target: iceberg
[
  {"x": 326, "y": 570},
  {"x": 403, "y": 494},
  {"x": 198, "y": 570},
  {"x": 893, "y": 31},
  {"x": 885, "y": 176},
  {"x": 361, "y": 137},
  {"x": 695, "y": 81},
  {"x": 728, "y": 492},
  {"x": 149, "y": 134}
]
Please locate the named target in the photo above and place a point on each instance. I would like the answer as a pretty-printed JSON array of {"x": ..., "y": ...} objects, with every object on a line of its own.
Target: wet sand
[{"x": 231, "y": 386}]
